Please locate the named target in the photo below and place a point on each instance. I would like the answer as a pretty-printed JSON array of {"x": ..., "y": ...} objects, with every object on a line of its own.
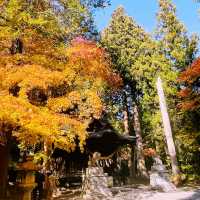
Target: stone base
[
  {"x": 161, "y": 182},
  {"x": 95, "y": 184}
]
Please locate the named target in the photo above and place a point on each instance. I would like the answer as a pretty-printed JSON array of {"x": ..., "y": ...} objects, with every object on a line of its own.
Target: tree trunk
[
  {"x": 17, "y": 46},
  {"x": 126, "y": 115},
  {"x": 167, "y": 129},
  {"x": 141, "y": 168},
  {"x": 4, "y": 155},
  {"x": 4, "y": 158},
  {"x": 133, "y": 159},
  {"x": 50, "y": 182},
  {"x": 126, "y": 120},
  {"x": 126, "y": 128}
]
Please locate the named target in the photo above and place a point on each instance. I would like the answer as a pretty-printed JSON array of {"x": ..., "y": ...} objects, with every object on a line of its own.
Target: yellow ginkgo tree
[
  {"x": 55, "y": 104},
  {"x": 50, "y": 89}
]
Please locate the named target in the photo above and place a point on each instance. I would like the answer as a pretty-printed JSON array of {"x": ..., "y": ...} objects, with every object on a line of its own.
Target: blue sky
[{"x": 144, "y": 12}]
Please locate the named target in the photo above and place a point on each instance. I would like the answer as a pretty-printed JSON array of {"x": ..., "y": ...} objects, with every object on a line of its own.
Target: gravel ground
[
  {"x": 143, "y": 193},
  {"x": 146, "y": 194}
]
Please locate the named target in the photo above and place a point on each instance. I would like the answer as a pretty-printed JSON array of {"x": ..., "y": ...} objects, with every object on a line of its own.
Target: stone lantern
[{"x": 26, "y": 178}]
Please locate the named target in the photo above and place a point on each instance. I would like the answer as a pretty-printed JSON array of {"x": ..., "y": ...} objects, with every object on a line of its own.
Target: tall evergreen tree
[
  {"x": 138, "y": 59},
  {"x": 178, "y": 47}
]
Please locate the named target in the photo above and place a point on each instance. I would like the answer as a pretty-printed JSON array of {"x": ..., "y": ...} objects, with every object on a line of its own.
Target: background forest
[
  {"x": 141, "y": 57},
  {"x": 58, "y": 73}
]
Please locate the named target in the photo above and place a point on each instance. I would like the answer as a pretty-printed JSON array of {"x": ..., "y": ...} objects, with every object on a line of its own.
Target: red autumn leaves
[{"x": 190, "y": 87}]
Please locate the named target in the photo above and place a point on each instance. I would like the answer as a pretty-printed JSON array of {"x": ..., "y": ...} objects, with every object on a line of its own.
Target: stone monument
[{"x": 159, "y": 177}]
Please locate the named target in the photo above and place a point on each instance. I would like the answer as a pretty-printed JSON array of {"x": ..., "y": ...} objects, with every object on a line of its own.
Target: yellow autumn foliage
[{"x": 48, "y": 93}]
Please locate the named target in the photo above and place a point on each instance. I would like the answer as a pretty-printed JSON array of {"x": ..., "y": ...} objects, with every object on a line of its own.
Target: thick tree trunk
[
  {"x": 141, "y": 168},
  {"x": 133, "y": 159},
  {"x": 126, "y": 120},
  {"x": 50, "y": 181},
  {"x": 167, "y": 129},
  {"x": 4, "y": 159}
]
